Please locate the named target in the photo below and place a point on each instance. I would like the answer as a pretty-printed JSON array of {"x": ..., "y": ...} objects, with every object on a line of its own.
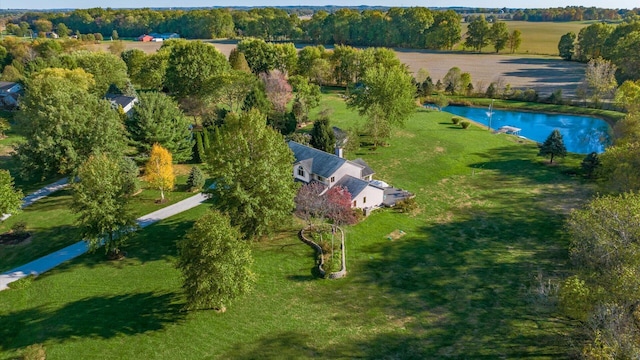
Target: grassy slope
[
  {"x": 459, "y": 284},
  {"x": 539, "y": 37}
]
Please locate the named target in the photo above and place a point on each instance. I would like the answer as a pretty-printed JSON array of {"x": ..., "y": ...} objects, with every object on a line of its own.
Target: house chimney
[{"x": 339, "y": 151}]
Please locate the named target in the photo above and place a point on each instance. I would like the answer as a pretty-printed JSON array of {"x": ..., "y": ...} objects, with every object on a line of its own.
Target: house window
[
  {"x": 354, "y": 203},
  {"x": 300, "y": 171},
  {"x": 320, "y": 178},
  {"x": 364, "y": 200},
  {"x": 333, "y": 179}
]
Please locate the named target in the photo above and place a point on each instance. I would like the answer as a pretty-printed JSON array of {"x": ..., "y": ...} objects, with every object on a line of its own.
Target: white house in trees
[{"x": 332, "y": 170}]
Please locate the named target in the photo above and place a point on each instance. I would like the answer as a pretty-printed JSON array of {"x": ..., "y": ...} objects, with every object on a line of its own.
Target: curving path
[
  {"x": 54, "y": 259},
  {"x": 40, "y": 194}
]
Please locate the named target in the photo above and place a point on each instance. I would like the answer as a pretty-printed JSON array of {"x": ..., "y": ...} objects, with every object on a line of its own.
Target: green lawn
[
  {"x": 462, "y": 282},
  {"x": 51, "y": 221}
]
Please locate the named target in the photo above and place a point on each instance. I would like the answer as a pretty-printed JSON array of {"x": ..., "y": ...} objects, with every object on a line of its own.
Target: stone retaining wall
[{"x": 320, "y": 259}]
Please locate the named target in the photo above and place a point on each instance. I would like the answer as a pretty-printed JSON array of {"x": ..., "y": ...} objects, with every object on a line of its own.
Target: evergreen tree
[
  {"x": 322, "y": 136},
  {"x": 553, "y": 146},
  {"x": 196, "y": 179},
  {"x": 158, "y": 119}
]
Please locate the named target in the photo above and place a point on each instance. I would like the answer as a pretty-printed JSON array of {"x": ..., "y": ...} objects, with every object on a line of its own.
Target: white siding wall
[
  {"x": 345, "y": 169},
  {"x": 307, "y": 175},
  {"x": 374, "y": 195}
]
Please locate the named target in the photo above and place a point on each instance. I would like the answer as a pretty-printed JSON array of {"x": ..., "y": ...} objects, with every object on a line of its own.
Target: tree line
[
  {"x": 618, "y": 43},
  {"x": 416, "y": 27}
]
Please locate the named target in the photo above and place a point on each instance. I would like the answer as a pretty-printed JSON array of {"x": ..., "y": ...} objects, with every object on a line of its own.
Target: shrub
[
  {"x": 530, "y": 95},
  {"x": 196, "y": 179},
  {"x": 456, "y": 120},
  {"x": 589, "y": 164},
  {"x": 19, "y": 228},
  {"x": 406, "y": 205},
  {"x": 465, "y": 124}
]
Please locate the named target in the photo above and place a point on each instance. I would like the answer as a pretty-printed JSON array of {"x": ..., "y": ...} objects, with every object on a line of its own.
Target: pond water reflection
[{"x": 581, "y": 134}]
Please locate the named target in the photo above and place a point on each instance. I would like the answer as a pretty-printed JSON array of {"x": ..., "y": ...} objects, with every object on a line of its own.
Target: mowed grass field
[
  {"x": 538, "y": 37},
  {"x": 466, "y": 281}
]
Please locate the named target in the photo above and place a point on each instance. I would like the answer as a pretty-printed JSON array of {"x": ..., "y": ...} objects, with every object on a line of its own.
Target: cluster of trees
[
  {"x": 618, "y": 43},
  {"x": 481, "y": 34},
  {"x": 602, "y": 294},
  {"x": 569, "y": 13}
]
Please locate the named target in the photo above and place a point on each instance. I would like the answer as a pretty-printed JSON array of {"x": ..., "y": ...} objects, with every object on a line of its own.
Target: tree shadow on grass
[
  {"x": 100, "y": 317},
  {"x": 284, "y": 345},
  {"x": 155, "y": 242},
  {"x": 465, "y": 287},
  {"x": 517, "y": 162}
]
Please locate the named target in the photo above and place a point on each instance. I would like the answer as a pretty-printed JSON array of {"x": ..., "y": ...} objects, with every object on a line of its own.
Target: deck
[
  {"x": 508, "y": 130},
  {"x": 392, "y": 195}
]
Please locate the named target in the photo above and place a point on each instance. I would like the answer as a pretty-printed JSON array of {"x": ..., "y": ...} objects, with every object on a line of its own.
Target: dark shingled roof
[
  {"x": 323, "y": 164},
  {"x": 121, "y": 100},
  {"x": 366, "y": 170},
  {"x": 6, "y": 85},
  {"x": 354, "y": 185}
]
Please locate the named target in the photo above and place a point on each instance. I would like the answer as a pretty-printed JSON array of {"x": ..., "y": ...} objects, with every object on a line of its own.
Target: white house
[
  {"x": 332, "y": 170},
  {"x": 126, "y": 102}
]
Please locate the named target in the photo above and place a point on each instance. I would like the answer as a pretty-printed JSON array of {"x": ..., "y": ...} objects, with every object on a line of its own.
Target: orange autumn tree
[{"x": 159, "y": 170}]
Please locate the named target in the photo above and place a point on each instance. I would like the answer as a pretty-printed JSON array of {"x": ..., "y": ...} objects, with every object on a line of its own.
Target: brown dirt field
[{"x": 543, "y": 73}]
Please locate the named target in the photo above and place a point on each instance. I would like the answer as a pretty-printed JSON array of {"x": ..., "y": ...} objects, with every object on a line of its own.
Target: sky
[{"x": 59, "y": 4}]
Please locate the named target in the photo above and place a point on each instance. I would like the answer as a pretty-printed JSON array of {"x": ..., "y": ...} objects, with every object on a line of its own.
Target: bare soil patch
[
  {"x": 544, "y": 74},
  {"x": 395, "y": 234}
]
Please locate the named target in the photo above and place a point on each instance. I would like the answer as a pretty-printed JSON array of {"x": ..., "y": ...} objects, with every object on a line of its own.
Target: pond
[{"x": 581, "y": 134}]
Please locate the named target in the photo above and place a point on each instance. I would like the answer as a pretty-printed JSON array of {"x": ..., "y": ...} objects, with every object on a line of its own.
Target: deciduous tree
[
  {"x": 64, "y": 124},
  {"x": 251, "y": 166},
  {"x": 499, "y": 35},
  {"x": 101, "y": 199},
  {"x": 310, "y": 203},
  {"x": 620, "y": 168},
  {"x": 514, "y": 40},
  {"x": 478, "y": 33},
  {"x": 107, "y": 69},
  {"x": 159, "y": 170},
  {"x": 191, "y": 64},
  {"x": 338, "y": 204},
  {"x": 386, "y": 98},
  {"x": 600, "y": 80},
  {"x": 553, "y": 146},
  {"x": 566, "y": 46},
  {"x": 10, "y": 198},
  {"x": 215, "y": 263},
  {"x": 278, "y": 89}
]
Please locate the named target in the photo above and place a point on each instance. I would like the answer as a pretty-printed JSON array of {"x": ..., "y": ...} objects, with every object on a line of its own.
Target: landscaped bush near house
[
  {"x": 406, "y": 205},
  {"x": 465, "y": 124},
  {"x": 456, "y": 120}
]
